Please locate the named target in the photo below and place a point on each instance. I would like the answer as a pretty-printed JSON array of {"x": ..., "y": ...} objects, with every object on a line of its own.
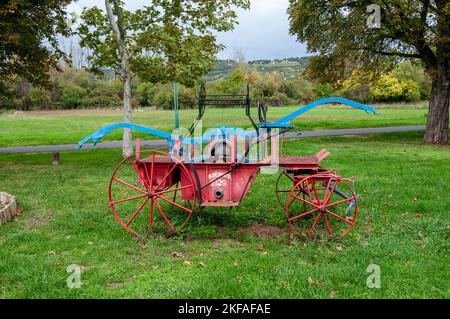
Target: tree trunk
[
  {"x": 127, "y": 146},
  {"x": 437, "y": 125}
]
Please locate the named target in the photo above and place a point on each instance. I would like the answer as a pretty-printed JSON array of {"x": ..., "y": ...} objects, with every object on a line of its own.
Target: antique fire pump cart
[{"x": 157, "y": 192}]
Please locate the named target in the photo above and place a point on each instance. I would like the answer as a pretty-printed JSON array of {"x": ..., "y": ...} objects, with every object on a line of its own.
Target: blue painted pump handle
[
  {"x": 98, "y": 135},
  {"x": 224, "y": 132},
  {"x": 309, "y": 107}
]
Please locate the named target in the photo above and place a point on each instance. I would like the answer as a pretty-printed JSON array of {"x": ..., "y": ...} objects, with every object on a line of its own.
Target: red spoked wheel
[
  {"x": 155, "y": 195},
  {"x": 326, "y": 207}
]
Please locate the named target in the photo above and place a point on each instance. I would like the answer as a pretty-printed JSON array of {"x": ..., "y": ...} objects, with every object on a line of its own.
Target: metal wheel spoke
[
  {"x": 151, "y": 216},
  {"x": 331, "y": 193},
  {"x": 286, "y": 174},
  {"x": 330, "y": 232},
  {"x": 175, "y": 204},
  {"x": 129, "y": 185},
  {"x": 146, "y": 174},
  {"x": 151, "y": 170},
  {"x": 168, "y": 174},
  {"x": 137, "y": 212},
  {"x": 339, "y": 217},
  {"x": 315, "y": 191},
  {"x": 139, "y": 173},
  {"x": 303, "y": 215},
  {"x": 340, "y": 202},
  {"x": 172, "y": 190},
  {"x": 327, "y": 189},
  {"x": 314, "y": 225},
  {"x": 128, "y": 199},
  {"x": 309, "y": 191},
  {"x": 305, "y": 201},
  {"x": 163, "y": 215}
]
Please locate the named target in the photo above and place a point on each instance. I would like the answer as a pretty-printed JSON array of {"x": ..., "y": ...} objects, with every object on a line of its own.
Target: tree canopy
[
  {"x": 343, "y": 36},
  {"x": 29, "y": 33},
  {"x": 166, "y": 40}
]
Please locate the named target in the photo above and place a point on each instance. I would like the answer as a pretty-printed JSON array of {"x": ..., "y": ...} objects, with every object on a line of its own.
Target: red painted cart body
[{"x": 167, "y": 184}]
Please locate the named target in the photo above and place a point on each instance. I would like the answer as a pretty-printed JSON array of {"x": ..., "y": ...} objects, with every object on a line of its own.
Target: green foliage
[
  {"x": 73, "y": 88},
  {"x": 391, "y": 89},
  {"x": 163, "y": 98},
  {"x": 101, "y": 101},
  {"x": 165, "y": 40},
  {"x": 330, "y": 32},
  {"x": 233, "y": 84},
  {"x": 324, "y": 90},
  {"x": 29, "y": 38},
  {"x": 73, "y": 96},
  {"x": 300, "y": 88},
  {"x": 145, "y": 93},
  {"x": 407, "y": 70},
  {"x": 356, "y": 86},
  {"x": 39, "y": 97}
]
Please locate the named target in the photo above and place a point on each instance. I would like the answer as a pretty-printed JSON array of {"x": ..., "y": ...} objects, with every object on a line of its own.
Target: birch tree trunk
[{"x": 125, "y": 72}]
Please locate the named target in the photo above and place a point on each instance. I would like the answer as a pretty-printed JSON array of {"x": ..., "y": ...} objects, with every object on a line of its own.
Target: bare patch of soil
[
  {"x": 40, "y": 221},
  {"x": 263, "y": 231}
]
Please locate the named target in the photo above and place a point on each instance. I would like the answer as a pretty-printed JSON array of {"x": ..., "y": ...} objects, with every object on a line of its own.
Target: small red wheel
[
  {"x": 152, "y": 195},
  {"x": 327, "y": 207}
]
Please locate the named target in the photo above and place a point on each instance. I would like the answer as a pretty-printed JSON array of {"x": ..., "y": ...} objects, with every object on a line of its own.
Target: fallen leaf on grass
[
  {"x": 339, "y": 248},
  {"x": 311, "y": 281},
  {"x": 420, "y": 243},
  {"x": 201, "y": 264},
  {"x": 187, "y": 262},
  {"x": 332, "y": 292},
  {"x": 176, "y": 254}
]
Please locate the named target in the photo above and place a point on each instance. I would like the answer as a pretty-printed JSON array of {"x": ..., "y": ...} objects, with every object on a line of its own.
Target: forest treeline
[{"x": 77, "y": 88}]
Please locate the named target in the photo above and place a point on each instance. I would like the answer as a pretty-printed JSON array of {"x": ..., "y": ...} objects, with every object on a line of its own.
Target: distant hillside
[{"x": 288, "y": 67}]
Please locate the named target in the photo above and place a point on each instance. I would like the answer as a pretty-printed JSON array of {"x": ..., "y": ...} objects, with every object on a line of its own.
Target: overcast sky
[{"x": 262, "y": 32}]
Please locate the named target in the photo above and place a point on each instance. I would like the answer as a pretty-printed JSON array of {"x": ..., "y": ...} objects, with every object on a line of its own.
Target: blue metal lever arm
[
  {"x": 98, "y": 135},
  {"x": 293, "y": 115}
]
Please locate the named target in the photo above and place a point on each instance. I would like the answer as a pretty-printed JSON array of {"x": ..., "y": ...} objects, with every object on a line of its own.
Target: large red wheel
[
  {"x": 153, "y": 196},
  {"x": 326, "y": 207}
]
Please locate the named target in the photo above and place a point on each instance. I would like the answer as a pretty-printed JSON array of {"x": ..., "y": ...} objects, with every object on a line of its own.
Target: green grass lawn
[
  {"x": 68, "y": 127},
  {"x": 403, "y": 225}
]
